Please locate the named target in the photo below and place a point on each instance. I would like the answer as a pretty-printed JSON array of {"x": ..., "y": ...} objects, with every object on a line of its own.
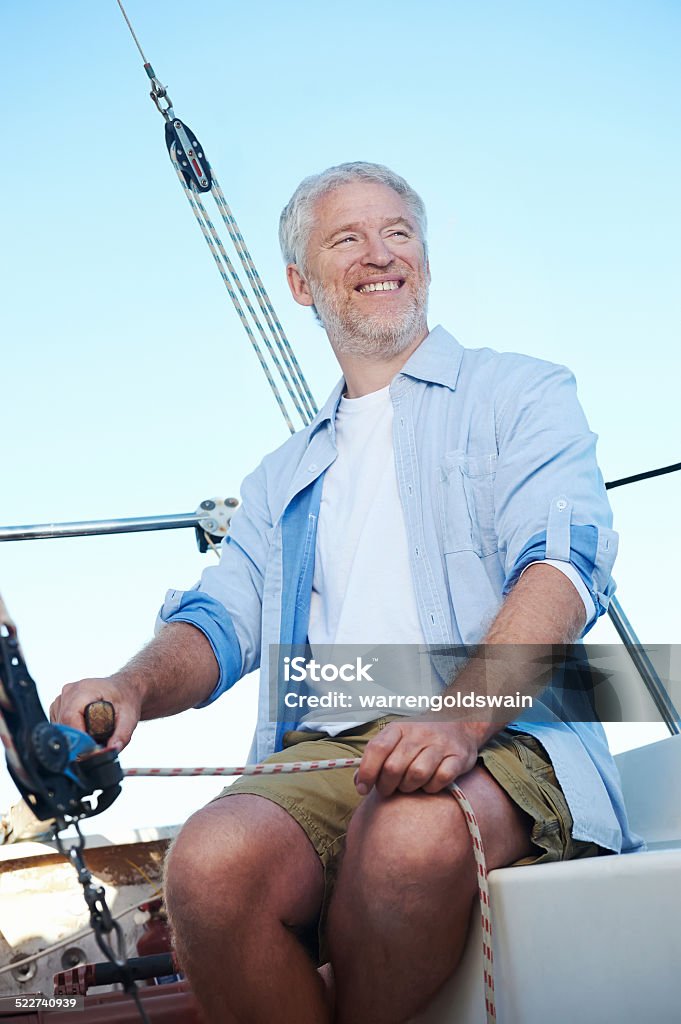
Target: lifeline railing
[{"x": 100, "y": 527}]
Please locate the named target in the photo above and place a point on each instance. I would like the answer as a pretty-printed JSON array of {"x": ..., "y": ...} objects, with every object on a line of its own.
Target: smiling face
[{"x": 365, "y": 271}]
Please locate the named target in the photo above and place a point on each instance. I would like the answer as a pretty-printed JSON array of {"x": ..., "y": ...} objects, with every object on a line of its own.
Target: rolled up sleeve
[
  {"x": 550, "y": 498},
  {"x": 226, "y": 603}
]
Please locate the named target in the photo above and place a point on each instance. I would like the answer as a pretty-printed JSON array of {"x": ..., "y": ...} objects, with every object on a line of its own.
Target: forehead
[{"x": 357, "y": 203}]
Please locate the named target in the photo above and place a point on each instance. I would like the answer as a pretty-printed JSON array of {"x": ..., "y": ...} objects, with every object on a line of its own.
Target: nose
[{"x": 376, "y": 252}]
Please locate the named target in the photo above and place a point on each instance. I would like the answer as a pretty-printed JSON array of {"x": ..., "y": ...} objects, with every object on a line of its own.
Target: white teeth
[{"x": 381, "y": 286}]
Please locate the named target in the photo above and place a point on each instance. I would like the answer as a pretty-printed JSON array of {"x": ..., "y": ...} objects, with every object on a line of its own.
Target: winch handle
[{"x": 100, "y": 720}]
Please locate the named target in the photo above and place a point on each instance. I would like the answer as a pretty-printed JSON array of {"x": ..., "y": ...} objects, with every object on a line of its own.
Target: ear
[{"x": 300, "y": 289}]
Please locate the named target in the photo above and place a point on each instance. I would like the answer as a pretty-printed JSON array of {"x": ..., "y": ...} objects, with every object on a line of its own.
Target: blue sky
[{"x": 544, "y": 140}]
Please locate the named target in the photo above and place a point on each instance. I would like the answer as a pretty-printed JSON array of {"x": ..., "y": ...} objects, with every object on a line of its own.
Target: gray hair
[{"x": 295, "y": 223}]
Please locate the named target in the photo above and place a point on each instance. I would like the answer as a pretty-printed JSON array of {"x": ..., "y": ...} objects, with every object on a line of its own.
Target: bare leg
[
  {"x": 400, "y": 913},
  {"x": 239, "y": 877}
]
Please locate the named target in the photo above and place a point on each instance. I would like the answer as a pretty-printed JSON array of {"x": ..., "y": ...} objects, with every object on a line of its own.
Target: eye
[
  {"x": 344, "y": 239},
  {"x": 402, "y": 234}
]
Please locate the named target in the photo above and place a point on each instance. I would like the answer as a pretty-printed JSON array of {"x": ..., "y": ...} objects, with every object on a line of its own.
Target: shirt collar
[
  {"x": 436, "y": 360},
  {"x": 327, "y": 413}
]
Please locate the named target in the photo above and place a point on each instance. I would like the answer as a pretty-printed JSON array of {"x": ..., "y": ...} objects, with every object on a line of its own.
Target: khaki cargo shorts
[{"x": 323, "y": 802}]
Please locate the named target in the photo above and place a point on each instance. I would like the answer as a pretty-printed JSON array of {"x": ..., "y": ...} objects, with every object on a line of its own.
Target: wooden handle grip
[{"x": 100, "y": 720}]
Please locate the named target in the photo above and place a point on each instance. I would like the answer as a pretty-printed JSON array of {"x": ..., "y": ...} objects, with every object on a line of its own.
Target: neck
[{"x": 366, "y": 374}]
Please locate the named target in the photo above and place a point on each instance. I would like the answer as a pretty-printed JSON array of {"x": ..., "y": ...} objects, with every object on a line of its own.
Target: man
[{"x": 441, "y": 496}]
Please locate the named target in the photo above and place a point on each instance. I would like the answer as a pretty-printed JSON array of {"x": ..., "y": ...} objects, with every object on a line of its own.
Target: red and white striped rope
[
  {"x": 246, "y": 769},
  {"x": 483, "y": 894},
  {"x": 287, "y": 768}
]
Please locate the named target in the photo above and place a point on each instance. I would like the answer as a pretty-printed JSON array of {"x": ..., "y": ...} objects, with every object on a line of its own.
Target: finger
[
  {"x": 377, "y": 750},
  {"x": 54, "y": 710},
  {"x": 68, "y": 707},
  {"x": 126, "y": 723},
  {"x": 421, "y": 770},
  {"x": 448, "y": 771},
  {"x": 396, "y": 766}
]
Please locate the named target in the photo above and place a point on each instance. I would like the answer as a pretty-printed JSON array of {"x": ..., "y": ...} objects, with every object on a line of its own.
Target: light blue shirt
[{"x": 496, "y": 469}]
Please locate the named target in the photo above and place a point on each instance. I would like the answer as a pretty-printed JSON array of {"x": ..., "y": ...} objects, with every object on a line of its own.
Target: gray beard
[{"x": 371, "y": 335}]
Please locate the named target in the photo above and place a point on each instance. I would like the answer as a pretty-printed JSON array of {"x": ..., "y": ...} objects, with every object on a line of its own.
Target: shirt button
[
  {"x": 561, "y": 505},
  {"x": 312, "y": 467}
]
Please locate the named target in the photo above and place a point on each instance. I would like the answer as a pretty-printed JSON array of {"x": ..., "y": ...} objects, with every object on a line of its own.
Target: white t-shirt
[{"x": 362, "y": 589}]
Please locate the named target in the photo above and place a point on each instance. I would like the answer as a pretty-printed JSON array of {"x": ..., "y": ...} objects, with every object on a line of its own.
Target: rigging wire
[
  {"x": 192, "y": 197},
  {"x": 643, "y": 476},
  {"x": 196, "y": 177},
  {"x": 261, "y": 294},
  {"x": 132, "y": 31}
]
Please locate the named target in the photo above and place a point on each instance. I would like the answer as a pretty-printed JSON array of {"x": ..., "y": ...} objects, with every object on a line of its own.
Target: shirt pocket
[{"x": 466, "y": 499}]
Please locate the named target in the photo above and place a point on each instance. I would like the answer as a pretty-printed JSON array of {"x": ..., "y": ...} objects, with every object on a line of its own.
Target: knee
[
  {"x": 248, "y": 859},
  {"x": 409, "y": 844},
  {"x": 212, "y": 862}
]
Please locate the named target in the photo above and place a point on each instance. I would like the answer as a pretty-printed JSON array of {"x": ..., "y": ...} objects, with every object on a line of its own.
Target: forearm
[
  {"x": 174, "y": 672},
  {"x": 542, "y": 608},
  {"x": 542, "y": 611},
  {"x": 429, "y": 752}
]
